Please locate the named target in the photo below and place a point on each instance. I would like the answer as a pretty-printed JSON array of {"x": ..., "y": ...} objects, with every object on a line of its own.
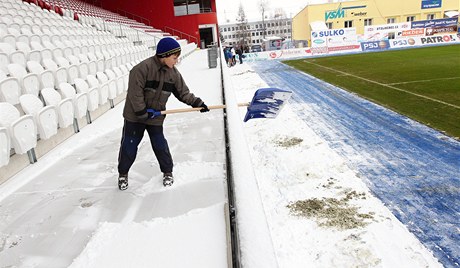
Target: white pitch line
[
  {"x": 427, "y": 80},
  {"x": 386, "y": 85}
]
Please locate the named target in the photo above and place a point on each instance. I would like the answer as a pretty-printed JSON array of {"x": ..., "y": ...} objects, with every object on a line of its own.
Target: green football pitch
[{"x": 421, "y": 83}]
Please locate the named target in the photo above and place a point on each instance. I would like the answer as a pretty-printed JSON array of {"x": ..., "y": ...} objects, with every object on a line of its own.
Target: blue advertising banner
[
  {"x": 434, "y": 23},
  {"x": 375, "y": 45},
  {"x": 431, "y": 4}
]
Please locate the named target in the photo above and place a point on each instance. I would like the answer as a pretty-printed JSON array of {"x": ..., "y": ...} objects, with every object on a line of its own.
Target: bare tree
[
  {"x": 279, "y": 20},
  {"x": 221, "y": 35},
  {"x": 263, "y": 7},
  {"x": 242, "y": 26},
  {"x": 279, "y": 13}
]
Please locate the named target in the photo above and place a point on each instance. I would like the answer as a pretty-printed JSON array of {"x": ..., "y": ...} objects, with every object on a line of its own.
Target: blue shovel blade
[{"x": 267, "y": 103}]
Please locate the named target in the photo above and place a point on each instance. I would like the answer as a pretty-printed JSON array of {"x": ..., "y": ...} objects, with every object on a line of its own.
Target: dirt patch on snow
[
  {"x": 287, "y": 142},
  {"x": 333, "y": 212}
]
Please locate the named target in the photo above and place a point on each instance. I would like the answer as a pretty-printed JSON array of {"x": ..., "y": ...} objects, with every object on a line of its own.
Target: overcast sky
[{"x": 228, "y": 10}]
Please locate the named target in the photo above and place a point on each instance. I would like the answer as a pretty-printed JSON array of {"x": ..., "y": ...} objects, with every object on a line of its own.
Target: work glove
[
  {"x": 204, "y": 108},
  {"x": 150, "y": 113}
]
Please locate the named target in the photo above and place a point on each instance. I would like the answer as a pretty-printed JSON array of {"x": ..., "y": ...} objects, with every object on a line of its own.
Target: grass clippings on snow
[
  {"x": 287, "y": 142},
  {"x": 333, "y": 212}
]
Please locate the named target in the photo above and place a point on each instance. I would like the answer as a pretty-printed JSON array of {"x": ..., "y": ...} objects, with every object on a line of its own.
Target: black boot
[
  {"x": 168, "y": 179},
  {"x": 123, "y": 182}
]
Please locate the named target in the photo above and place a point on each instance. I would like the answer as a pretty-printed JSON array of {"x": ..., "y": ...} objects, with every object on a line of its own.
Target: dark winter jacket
[{"x": 150, "y": 85}]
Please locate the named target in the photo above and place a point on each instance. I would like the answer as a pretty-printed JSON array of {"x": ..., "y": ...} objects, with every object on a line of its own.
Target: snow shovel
[{"x": 266, "y": 103}]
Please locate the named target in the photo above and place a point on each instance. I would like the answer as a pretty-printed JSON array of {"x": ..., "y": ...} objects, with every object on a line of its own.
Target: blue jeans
[{"x": 132, "y": 136}]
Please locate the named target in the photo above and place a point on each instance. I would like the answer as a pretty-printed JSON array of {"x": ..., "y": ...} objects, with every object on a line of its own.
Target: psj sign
[{"x": 375, "y": 45}]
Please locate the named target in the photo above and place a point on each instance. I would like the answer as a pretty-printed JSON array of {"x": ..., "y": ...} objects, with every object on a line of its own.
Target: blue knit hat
[{"x": 167, "y": 47}]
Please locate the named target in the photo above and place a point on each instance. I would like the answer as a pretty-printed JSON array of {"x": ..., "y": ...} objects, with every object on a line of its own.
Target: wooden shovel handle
[{"x": 212, "y": 107}]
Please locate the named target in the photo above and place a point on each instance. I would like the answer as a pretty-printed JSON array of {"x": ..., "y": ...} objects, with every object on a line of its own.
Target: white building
[{"x": 254, "y": 32}]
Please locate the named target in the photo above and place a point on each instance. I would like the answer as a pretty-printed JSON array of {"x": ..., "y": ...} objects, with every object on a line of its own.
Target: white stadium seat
[
  {"x": 93, "y": 93},
  {"x": 17, "y": 70},
  {"x": 45, "y": 116},
  {"x": 4, "y": 61},
  {"x": 35, "y": 55},
  {"x": 103, "y": 88},
  {"x": 18, "y": 57},
  {"x": 72, "y": 73},
  {"x": 112, "y": 85},
  {"x": 9, "y": 39},
  {"x": 80, "y": 100},
  {"x": 47, "y": 79},
  {"x": 64, "y": 107},
  {"x": 5, "y": 145},
  {"x": 10, "y": 90},
  {"x": 21, "y": 129},
  {"x": 31, "y": 84},
  {"x": 7, "y": 48}
]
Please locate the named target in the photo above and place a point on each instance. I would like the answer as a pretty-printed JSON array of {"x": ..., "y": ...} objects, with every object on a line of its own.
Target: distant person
[
  {"x": 228, "y": 52},
  {"x": 225, "y": 55},
  {"x": 232, "y": 50},
  {"x": 239, "y": 51},
  {"x": 151, "y": 82}
]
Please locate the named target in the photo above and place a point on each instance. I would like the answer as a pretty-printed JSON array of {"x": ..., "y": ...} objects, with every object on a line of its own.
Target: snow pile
[{"x": 188, "y": 240}]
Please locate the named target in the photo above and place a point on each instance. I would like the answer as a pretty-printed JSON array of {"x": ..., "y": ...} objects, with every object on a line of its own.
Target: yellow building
[{"x": 357, "y": 14}]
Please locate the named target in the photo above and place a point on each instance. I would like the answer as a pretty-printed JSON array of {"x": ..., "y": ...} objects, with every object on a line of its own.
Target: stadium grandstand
[{"x": 69, "y": 60}]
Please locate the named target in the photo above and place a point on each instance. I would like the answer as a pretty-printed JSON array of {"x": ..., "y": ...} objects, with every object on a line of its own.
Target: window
[
  {"x": 367, "y": 22},
  {"x": 391, "y": 20},
  {"x": 348, "y": 24},
  {"x": 329, "y": 25},
  {"x": 430, "y": 16},
  {"x": 186, "y": 7},
  {"x": 410, "y": 18}
]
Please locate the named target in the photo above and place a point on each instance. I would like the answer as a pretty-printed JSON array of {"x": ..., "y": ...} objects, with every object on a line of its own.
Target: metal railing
[
  {"x": 181, "y": 34},
  {"x": 133, "y": 16}
]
